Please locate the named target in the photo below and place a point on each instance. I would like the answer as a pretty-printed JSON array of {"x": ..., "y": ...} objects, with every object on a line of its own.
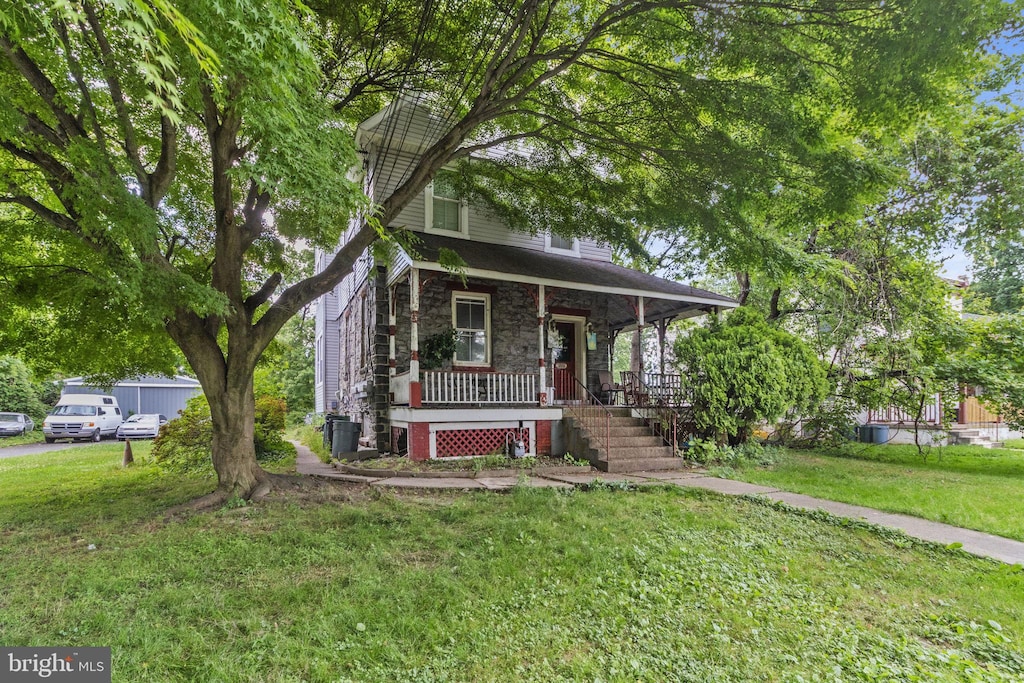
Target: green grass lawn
[
  {"x": 965, "y": 486},
  {"x": 1014, "y": 443},
  {"x": 354, "y": 584},
  {"x": 35, "y": 436}
]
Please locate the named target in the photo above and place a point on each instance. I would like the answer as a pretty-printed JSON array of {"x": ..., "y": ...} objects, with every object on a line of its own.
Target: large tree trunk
[
  {"x": 227, "y": 381},
  {"x": 233, "y": 412}
]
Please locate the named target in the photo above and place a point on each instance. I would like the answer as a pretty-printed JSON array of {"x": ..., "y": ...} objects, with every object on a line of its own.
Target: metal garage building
[{"x": 147, "y": 394}]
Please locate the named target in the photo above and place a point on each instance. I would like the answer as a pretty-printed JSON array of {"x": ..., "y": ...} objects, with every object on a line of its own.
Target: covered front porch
[{"x": 533, "y": 334}]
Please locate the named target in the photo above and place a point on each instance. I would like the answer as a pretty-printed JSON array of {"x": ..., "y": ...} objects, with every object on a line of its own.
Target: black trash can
[
  {"x": 328, "y": 430},
  {"x": 346, "y": 436}
]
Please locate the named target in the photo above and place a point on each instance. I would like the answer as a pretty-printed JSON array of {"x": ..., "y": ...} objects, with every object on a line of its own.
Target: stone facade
[
  {"x": 514, "y": 343},
  {"x": 356, "y": 362},
  {"x": 364, "y": 363}
]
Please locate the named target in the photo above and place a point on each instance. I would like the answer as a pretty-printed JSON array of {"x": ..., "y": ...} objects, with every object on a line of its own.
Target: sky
[{"x": 955, "y": 261}]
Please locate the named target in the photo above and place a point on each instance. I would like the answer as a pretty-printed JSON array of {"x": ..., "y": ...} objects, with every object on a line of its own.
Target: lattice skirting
[{"x": 453, "y": 443}]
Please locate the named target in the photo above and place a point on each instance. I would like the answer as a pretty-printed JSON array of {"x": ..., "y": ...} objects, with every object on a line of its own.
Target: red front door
[{"x": 565, "y": 361}]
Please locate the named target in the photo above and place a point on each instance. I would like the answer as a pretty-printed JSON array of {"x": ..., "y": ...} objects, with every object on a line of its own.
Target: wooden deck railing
[
  {"x": 662, "y": 405},
  {"x": 654, "y": 389},
  {"x": 932, "y": 414},
  {"x": 972, "y": 412},
  {"x": 479, "y": 388}
]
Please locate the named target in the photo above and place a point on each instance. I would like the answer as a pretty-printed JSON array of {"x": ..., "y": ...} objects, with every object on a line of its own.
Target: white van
[{"x": 82, "y": 416}]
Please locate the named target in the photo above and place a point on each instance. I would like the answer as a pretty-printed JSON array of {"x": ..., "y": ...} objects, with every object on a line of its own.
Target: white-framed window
[
  {"x": 471, "y": 319},
  {"x": 446, "y": 213},
  {"x": 556, "y": 244}
]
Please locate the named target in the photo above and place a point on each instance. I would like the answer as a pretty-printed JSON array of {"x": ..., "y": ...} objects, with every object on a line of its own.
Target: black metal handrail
[{"x": 659, "y": 409}]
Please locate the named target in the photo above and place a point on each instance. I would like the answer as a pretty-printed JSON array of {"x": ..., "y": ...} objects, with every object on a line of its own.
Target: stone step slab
[{"x": 644, "y": 464}]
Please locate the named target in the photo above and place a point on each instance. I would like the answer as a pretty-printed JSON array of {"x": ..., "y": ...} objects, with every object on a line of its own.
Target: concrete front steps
[
  {"x": 972, "y": 437},
  {"x": 632, "y": 447}
]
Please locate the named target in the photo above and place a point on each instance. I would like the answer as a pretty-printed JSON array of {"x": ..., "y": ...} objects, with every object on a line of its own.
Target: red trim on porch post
[
  {"x": 419, "y": 441},
  {"x": 415, "y": 395}
]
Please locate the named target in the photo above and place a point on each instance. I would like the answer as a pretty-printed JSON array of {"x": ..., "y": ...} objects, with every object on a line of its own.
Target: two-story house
[{"x": 532, "y": 318}]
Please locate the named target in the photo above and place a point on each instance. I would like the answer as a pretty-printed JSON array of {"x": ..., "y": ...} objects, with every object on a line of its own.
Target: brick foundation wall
[
  {"x": 543, "y": 437},
  {"x": 419, "y": 441}
]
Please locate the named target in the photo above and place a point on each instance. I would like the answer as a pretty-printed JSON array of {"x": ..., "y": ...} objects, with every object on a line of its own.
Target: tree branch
[
  {"x": 104, "y": 56},
  {"x": 35, "y": 77},
  {"x": 166, "y": 166},
  {"x": 75, "y": 68},
  {"x": 260, "y": 297},
  {"x": 52, "y": 217}
]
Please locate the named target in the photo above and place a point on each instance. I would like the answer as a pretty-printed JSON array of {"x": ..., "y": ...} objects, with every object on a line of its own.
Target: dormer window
[
  {"x": 446, "y": 213},
  {"x": 556, "y": 244}
]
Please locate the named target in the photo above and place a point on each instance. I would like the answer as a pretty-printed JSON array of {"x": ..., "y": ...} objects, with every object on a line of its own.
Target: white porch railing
[
  {"x": 479, "y": 388},
  {"x": 400, "y": 389},
  {"x": 932, "y": 413}
]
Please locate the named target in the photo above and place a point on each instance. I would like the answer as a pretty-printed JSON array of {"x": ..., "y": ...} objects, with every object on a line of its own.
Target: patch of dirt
[{"x": 404, "y": 464}]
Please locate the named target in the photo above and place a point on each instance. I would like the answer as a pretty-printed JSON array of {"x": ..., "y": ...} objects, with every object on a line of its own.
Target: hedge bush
[{"x": 184, "y": 444}]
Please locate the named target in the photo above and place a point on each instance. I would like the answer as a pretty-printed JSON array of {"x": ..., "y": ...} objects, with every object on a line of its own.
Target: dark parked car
[
  {"x": 13, "y": 424},
  {"x": 142, "y": 426}
]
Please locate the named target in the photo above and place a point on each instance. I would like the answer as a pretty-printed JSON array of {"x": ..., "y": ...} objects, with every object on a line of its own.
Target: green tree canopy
[
  {"x": 744, "y": 372},
  {"x": 161, "y": 160},
  {"x": 18, "y": 393}
]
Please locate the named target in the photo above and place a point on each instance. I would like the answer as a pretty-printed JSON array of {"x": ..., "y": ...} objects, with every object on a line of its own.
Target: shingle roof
[{"x": 663, "y": 298}]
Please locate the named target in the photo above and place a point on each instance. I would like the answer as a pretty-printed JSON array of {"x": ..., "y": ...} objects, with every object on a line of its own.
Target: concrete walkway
[{"x": 974, "y": 542}]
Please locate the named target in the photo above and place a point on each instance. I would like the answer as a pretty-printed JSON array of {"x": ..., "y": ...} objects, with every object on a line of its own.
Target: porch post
[
  {"x": 662, "y": 326},
  {"x": 415, "y": 391},
  {"x": 392, "y": 332},
  {"x": 640, "y": 322},
  {"x": 540, "y": 343}
]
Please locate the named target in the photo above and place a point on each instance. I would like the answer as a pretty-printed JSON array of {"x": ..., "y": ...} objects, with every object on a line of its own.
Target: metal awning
[{"x": 663, "y": 299}]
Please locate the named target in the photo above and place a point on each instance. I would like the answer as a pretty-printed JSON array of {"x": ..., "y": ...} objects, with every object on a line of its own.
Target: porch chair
[
  {"x": 633, "y": 389},
  {"x": 610, "y": 389}
]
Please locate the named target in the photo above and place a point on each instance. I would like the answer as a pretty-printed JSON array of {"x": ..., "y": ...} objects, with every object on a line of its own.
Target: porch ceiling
[{"x": 662, "y": 298}]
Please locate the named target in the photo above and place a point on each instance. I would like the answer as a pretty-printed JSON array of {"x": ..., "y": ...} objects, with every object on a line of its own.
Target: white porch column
[
  {"x": 540, "y": 340},
  {"x": 415, "y": 391},
  {"x": 662, "y": 327},
  {"x": 640, "y": 322}
]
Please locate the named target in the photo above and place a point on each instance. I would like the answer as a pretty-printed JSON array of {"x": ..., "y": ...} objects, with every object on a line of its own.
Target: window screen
[
  {"x": 471, "y": 331},
  {"x": 446, "y": 203}
]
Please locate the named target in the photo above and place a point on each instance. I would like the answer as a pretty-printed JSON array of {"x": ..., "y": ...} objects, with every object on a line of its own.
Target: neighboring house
[
  {"x": 533, "y": 320},
  {"x": 146, "y": 394},
  {"x": 972, "y": 422}
]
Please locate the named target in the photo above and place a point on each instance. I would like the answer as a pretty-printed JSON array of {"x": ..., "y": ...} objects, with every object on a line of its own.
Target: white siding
[
  {"x": 413, "y": 216},
  {"x": 407, "y": 133},
  {"x": 590, "y": 249},
  {"x": 326, "y": 347},
  {"x": 486, "y": 227}
]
